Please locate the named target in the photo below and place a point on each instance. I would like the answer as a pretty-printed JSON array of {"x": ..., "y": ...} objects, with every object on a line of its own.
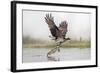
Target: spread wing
[
  {"x": 53, "y": 28},
  {"x": 63, "y": 28}
]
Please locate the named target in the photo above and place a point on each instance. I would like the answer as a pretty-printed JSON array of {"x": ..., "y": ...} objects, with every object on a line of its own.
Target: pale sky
[{"x": 34, "y": 25}]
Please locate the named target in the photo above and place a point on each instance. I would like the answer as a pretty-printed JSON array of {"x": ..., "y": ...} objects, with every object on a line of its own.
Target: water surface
[{"x": 65, "y": 54}]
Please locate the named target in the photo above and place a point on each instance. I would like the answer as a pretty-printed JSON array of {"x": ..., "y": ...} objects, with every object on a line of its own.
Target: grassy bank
[{"x": 70, "y": 44}]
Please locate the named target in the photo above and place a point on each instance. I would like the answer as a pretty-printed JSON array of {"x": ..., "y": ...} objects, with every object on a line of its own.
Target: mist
[{"x": 34, "y": 25}]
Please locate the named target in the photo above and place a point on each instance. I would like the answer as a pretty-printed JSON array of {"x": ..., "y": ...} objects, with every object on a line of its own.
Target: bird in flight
[{"x": 58, "y": 33}]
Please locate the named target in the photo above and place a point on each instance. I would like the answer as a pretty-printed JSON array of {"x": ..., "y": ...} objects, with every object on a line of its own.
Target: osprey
[{"x": 58, "y": 33}]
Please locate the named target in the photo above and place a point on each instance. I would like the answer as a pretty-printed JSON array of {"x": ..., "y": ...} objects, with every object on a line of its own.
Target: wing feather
[
  {"x": 63, "y": 28},
  {"x": 53, "y": 28}
]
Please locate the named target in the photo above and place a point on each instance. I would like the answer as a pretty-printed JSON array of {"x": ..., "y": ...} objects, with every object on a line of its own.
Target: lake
[{"x": 65, "y": 54}]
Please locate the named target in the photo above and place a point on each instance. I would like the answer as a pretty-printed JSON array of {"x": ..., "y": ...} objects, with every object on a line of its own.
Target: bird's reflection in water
[
  {"x": 53, "y": 58},
  {"x": 53, "y": 51}
]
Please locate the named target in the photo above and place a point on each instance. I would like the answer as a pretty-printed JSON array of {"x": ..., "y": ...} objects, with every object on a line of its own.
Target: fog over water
[{"x": 34, "y": 24}]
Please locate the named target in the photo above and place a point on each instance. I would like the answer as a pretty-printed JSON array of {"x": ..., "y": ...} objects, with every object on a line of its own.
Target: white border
[{"x": 35, "y": 65}]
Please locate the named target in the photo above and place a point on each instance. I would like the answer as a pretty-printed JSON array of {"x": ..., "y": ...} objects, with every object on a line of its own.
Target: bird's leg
[{"x": 58, "y": 46}]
